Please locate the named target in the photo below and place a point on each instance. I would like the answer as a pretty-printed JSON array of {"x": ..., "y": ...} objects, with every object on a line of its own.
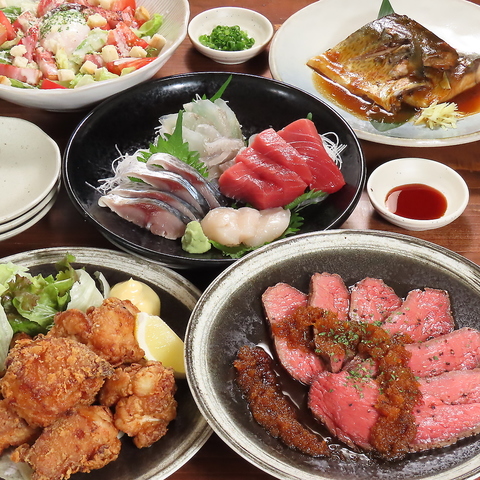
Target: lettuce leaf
[{"x": 6, "y": 335}]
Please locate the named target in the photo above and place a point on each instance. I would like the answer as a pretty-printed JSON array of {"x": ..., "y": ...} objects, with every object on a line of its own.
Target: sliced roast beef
[
  {"x": 345, "y": 404},
  {"x": 371, "y": 300},
  {"x": 457, "y": 350},
  {"x": 424, "y": 314},
  {"x": 300, "y": 360},
  {"x": 328, "y": 291}
]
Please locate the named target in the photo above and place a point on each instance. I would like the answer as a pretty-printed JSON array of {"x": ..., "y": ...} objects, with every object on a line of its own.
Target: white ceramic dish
[
  {"x": 253, "y": 23},
  {"x": 40, "y": 209},
  {"x": 404, "y": 171},
  {"x": 29, "y": 169},
  {"x": 189, "y": 431},
  {"x": 176, "y": 14},
  {"x": 323, "y": 24},
  {"x": 230, "y": 315}
]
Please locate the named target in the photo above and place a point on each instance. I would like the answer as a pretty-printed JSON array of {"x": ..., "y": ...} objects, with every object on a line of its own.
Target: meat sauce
[
  {"x": 468, "y": 102},
  {"x": 399, "y": 390},
  {"x": 416, "y": 201}
]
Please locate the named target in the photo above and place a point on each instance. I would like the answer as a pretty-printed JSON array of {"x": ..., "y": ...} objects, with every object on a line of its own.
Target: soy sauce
[{"x": 416, "y": 201}]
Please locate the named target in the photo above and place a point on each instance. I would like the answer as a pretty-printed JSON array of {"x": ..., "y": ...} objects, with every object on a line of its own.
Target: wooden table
[{"x": 64, "y": 226}]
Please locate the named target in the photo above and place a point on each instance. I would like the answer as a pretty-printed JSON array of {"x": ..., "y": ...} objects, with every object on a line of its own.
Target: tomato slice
[
  {"x": 5, "y": 23},
  {"x": 3, "y": 34},
  {"x": 118, "y": 65},
  {"x": 50, "y": 85},
  {"x": 123, "y": 37},
  {"x": 122, "y": 5}
]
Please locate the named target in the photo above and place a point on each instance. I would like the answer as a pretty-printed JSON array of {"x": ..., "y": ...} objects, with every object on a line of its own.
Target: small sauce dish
[
  {"x": 253, "y": 23},
  {"x": 425, "y": 186}
]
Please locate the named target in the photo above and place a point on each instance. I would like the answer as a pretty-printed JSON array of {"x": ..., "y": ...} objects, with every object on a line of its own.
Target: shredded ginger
[{"x": 439, "y": 115}]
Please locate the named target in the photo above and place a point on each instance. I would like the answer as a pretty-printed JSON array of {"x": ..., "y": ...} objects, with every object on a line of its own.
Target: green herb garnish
[
  {"x": 385, "y": 9},
  {"x": 227, "y": 38}
]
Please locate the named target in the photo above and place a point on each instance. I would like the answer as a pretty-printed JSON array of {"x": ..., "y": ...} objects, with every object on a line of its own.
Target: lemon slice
[{"x": 160, "y": 342}]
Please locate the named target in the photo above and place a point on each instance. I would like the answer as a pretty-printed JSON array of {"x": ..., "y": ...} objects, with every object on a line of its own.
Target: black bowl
[{"x": 127, "y": 122}]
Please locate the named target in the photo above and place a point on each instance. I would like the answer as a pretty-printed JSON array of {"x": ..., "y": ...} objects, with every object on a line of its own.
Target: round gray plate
[
  {"x": 229, "y": 314},
  {"x": 189, "y": 431}
]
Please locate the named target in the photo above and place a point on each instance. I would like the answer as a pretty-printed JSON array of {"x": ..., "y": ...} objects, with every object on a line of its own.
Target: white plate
[
  {"x": 29, "y": 167},
  {"x": 323, "y": 24},
  {"x": 30, "y": 222},
  {"x": 17, "y": 221}
]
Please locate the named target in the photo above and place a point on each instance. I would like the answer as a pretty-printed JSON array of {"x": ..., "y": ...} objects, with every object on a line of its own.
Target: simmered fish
[{"x": 394, "y": 59}]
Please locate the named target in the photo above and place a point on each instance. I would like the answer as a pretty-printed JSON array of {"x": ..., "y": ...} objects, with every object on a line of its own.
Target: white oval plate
[
  {"x": 29, "y": 167},
  {"x": 323, "y": 24}
]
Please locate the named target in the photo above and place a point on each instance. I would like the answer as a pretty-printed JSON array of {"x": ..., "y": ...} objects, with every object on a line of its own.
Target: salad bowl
[
  {"x": 189, "y": 431},
  {"x": 258, "y": 103},
  {"x": 174, "y": 28}
]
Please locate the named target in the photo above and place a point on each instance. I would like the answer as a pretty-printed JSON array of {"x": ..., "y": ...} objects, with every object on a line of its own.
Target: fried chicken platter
[{"x": 80, "y": 398}]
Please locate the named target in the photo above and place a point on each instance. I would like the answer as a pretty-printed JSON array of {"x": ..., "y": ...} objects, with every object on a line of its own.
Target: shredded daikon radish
[{"x": 442, "y": 115}]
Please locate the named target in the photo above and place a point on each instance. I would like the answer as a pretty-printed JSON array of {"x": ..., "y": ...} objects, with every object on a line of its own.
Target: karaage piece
[
  {"x": 143, "y": 397},
  {"x": 81, "y": 440},
  {"x": 14, "y": 430},
  {"x": 47, "y": 376},
  {"x": 109, "y": 330}
]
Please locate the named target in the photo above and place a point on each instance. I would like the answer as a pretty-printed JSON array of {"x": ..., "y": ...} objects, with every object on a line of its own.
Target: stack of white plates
[{"x": 30, "y": 166}]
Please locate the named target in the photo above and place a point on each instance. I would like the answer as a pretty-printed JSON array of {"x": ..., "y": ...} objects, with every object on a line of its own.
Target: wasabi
[{"x": 194, "y": 240}]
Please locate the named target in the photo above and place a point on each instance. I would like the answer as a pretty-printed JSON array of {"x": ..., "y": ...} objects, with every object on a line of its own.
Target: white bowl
[
  {"x": 253, "y": 23},
  {"x": 406, "y": 171},
  {"x": 29, "y": 169},
  {"x": 176, "y": 14}
]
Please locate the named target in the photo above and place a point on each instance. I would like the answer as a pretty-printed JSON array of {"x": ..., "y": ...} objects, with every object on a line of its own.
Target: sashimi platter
[{"x": 212, "y": 166}]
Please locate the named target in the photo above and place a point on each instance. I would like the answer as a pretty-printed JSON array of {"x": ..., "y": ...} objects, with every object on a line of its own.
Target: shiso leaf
[{"x": 385, "y": 9}]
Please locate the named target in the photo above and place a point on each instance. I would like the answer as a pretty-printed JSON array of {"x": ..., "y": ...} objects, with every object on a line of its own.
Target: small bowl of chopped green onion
[{"x": 230, "y": 35}]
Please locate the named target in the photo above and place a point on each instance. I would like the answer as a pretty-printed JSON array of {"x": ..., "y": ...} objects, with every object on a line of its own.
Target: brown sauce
[
  {"x": 416, "y": 201},
  {"x": 468, "y": 102}
]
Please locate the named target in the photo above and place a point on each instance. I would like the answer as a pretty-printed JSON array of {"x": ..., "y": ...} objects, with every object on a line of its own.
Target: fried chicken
[
  {"x": 14, "y": 430},
  {"x": 143, "y": 397},
  {"x": 81, "y": 440},
  {"x": 47, "y": 376},
  {"x": 109, "y": 330}
]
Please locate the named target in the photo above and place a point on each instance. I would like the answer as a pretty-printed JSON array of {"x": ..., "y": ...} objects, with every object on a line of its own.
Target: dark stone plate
[
  {"x": 189, "y": 431},
  {"x": 229, "y": 315},
  {"x": 127, "y": 122}
]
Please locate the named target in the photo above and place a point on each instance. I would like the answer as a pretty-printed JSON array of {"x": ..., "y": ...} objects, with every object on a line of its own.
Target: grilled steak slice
[
  {"x": 424, "y": 314},
  {"x": 371, "y": 300},
  {"x": 457, "y": 350},
  {"x": 300, "y": 360},
  {"x": 328, "y": 292}
]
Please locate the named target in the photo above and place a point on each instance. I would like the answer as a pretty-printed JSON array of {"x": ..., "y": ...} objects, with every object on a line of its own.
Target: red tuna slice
[
  {"x": 345, "y": 404},
  {"x": 424, "y": 314},
  {"x": 239, "y": 182},
  {"x": 272, "y": 145},
  {"x": 304, "y": 137},
  {"x": 263, "y": 171},
  {"x": 301, "y": 362},
  {"x": 371, "y": 300},
  {"x": 458, "y": 350},
  {"x": 452, "y": 388}
]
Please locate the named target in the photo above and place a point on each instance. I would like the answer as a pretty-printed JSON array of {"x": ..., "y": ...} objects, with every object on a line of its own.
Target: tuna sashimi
[
  {"x": 423, "y": 314},
  {"x": 270, "y": 143},
  {"x": 158, "y": 217},
  {"x": 457, "y": 350},
  {"x": 303, "y": 136},
  {"x": 239, "y": 182},
  {"x": 287, "y": 182},
  {"x": 371, "y": 300},
  {"x": 300, "y": 361}
]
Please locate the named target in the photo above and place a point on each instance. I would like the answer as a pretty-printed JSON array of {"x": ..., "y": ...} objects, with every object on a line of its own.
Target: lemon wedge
[
  {"x": 140, "y": 294},
  {"x": 160, "y": 342}
]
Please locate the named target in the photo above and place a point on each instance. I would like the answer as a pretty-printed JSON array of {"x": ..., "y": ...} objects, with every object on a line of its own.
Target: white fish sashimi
[
  {"x": 158, "y": 217},
  {"x": 247, "y": 226}
]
